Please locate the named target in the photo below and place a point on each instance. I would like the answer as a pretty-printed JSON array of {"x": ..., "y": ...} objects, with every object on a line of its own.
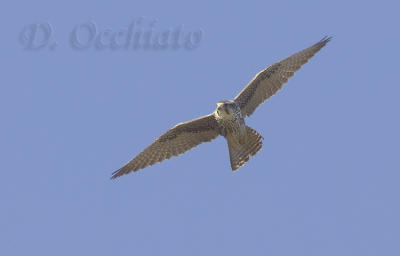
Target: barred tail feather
[{"x": 240, "y": 154}]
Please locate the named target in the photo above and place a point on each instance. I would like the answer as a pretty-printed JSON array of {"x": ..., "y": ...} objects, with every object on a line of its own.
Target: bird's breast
[{"x": 231, "y": 124}]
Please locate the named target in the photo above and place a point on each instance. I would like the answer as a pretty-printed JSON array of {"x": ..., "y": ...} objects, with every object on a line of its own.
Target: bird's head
[{"x": 226, "y": 107}]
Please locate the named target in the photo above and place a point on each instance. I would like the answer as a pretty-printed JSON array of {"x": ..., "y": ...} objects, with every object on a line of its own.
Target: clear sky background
[{"x": 325, "y": 183}]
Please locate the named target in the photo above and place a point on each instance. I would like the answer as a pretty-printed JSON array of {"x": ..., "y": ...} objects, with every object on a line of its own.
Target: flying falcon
[{"x": 227, "y": 119}]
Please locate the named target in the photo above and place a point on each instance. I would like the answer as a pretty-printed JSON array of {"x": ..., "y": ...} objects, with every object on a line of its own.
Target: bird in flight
[{"x": 228, "y": 119}]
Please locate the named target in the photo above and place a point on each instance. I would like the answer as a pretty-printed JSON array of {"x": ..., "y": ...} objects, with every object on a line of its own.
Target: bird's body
[
  {"x": 242, "y": 140},
  {"x": 228, "y": 119}
]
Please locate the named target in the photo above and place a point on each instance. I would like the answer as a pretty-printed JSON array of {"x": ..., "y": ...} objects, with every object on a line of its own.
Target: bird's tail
[{"x": 240, "y": 153}]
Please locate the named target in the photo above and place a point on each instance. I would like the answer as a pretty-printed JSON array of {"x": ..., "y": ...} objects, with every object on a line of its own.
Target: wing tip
[
  {"x": 121, "y": 171},
  {"x": 116, "y": 174},
  {"x": 325, "y": 40}
]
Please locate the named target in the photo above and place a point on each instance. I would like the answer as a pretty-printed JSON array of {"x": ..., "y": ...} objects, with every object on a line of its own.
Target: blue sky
[{"x": 325, "y": 183}]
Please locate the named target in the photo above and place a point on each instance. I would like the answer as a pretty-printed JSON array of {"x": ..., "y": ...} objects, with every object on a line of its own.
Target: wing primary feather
[
  {"x": 174, "y": 142},
  {"x": 270, "y": 80}
]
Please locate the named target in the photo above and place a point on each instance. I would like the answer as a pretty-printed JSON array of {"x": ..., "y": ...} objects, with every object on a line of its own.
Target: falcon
[{"x": 228, "y": 119}]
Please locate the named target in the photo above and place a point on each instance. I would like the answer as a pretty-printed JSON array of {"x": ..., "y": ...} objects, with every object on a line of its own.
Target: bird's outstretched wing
[
  {"x": 267, "y": 82},
  {"x": 175, "y": 141}
]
